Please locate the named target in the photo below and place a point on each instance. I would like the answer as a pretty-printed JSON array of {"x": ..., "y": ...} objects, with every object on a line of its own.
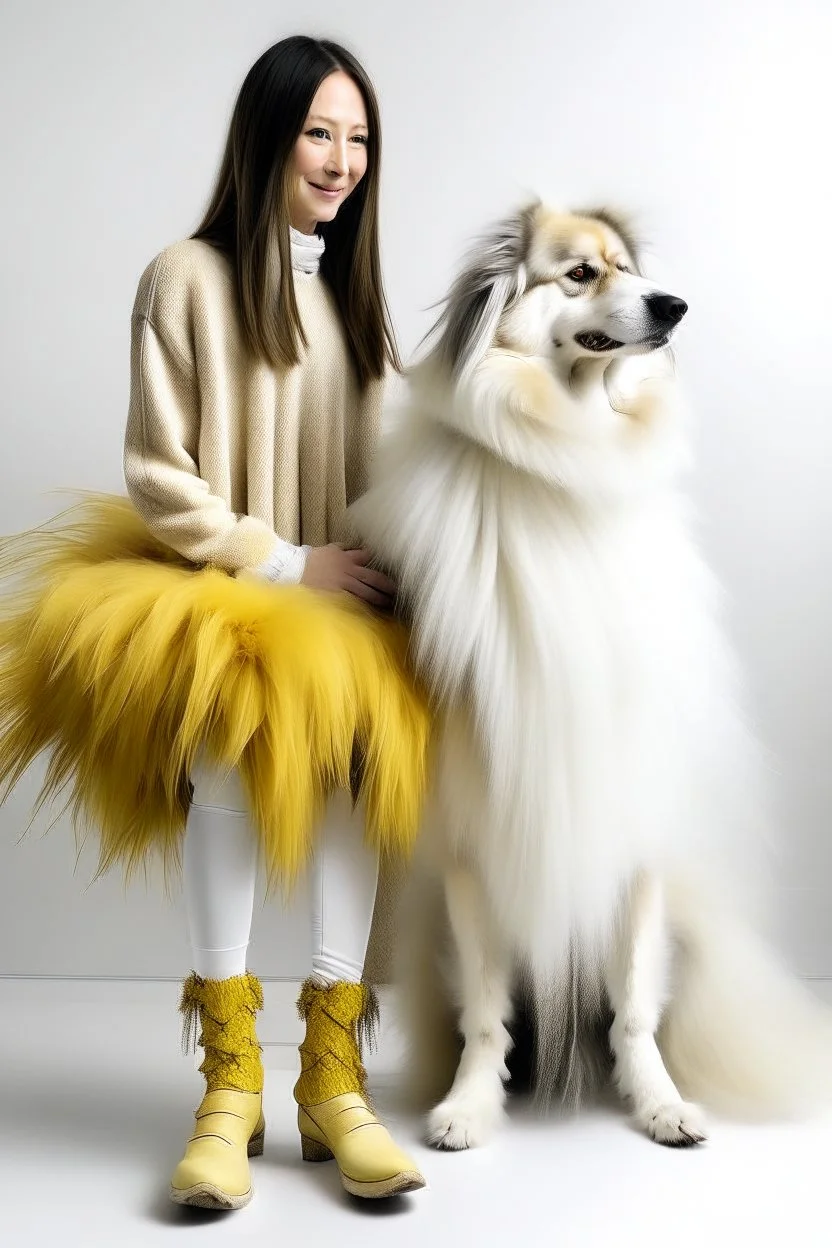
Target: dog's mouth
[{"x": 592, "y": 340}]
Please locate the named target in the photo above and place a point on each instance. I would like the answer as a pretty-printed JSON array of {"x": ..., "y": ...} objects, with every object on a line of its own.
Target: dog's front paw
[
  {"x": 679, "y": 1126},
  {"x": 463, "y": 1122}
]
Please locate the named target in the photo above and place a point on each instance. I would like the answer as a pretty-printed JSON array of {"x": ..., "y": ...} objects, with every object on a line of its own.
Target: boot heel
[
  {"x": 311, "y": 1150},
  {"x": 257, "y": 1143}
]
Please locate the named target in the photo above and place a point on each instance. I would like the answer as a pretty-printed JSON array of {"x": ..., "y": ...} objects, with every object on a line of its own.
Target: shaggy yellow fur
[
  {"x": 220, "y": 1017},
  {"x": 338, "y": 1018},
  {"x": 124, "y": 661}
]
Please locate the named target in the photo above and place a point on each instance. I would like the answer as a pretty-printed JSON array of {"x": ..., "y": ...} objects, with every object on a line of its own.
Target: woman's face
[{"x": 330, "y": 155}]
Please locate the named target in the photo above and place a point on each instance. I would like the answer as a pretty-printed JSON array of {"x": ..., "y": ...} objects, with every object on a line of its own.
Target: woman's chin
[{"x": 328, "y": 212}]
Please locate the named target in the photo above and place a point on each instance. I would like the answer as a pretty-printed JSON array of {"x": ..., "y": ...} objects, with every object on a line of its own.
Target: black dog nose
[{"x": 667, "y": 308}]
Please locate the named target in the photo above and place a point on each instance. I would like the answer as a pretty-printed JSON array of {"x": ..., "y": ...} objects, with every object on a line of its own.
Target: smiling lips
[{"x": 331, "y": 192}]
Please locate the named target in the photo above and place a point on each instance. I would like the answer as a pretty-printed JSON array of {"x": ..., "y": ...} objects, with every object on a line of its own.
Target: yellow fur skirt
[{"x": 121, "y": 662}]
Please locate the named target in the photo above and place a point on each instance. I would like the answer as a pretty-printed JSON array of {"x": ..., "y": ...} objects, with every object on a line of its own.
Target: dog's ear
[{"x": 491, "y": 278}]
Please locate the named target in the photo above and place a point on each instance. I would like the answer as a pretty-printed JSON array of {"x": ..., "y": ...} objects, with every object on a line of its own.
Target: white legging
[{"x": 220, "y": 871}]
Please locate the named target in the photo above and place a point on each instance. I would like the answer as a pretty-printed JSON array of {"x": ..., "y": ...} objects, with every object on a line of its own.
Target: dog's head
[{"x": 566, "y": 286}]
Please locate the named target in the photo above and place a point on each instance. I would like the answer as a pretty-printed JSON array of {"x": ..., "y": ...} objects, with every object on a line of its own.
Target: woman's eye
[
  {"x": 318, "y": 133},
  {"x": 362, "y": 139},
  {"x": 582, "y": 273}
]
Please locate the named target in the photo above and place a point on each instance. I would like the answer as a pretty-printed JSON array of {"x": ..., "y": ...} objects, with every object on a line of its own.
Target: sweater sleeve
[{"x": 162, "y": 439}]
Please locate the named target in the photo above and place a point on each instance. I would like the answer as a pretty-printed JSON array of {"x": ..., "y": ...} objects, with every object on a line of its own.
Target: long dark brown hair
[{"x": 248, "y": 216}]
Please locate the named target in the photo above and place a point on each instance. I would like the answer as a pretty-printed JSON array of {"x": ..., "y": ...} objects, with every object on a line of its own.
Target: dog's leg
[
  {"x": 474, "y": 1105},
  {"x": 636, "y": 983}
]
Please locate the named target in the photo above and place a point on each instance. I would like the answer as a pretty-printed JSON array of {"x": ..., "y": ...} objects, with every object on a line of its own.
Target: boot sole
[
  {"x": 396, "y": 1185},
  {"x": 408, "y": 1181},
  {"x": 209, "y": 1196}
]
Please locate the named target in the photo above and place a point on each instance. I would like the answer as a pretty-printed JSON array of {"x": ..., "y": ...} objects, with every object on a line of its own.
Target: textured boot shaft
[
  {"x": 219, "y": 1015},
  {"x": 335, "y": 1118},
  {"x": 339, "y": 1019}
]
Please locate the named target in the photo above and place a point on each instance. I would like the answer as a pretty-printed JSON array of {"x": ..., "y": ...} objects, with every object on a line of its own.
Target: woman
[{"x": 259, "y": 348}]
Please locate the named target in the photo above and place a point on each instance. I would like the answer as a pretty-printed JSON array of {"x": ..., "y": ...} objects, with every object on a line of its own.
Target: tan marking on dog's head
[{"x": 560, "y": 239}]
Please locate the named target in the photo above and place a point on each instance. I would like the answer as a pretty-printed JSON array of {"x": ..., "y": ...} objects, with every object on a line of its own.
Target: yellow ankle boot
[
  {"x": 214, "y": 1172},
  {"x": 335, "y": 1117}
]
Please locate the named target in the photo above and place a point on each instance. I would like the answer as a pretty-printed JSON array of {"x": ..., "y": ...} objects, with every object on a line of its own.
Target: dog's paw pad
[
  {"x": 459, "y": 1124},
  {"x": 679, "y": 1126}
]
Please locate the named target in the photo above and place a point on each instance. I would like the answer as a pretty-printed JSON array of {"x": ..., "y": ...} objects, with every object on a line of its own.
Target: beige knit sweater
[{"x": 223, "y": 454}]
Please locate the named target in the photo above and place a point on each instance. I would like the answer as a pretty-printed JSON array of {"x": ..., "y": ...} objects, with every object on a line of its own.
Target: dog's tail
[{"x": 740, "y": 1034}]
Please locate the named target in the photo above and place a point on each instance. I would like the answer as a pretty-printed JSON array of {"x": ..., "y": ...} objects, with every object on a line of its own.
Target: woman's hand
[{"x": 334, "y": 568}]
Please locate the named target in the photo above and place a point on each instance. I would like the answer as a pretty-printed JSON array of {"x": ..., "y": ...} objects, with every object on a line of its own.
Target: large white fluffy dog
[{"x": 593, "y": 778}]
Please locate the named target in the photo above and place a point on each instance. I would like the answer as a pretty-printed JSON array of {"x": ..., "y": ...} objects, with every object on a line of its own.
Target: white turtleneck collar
[{"x": 307, "y": 250}]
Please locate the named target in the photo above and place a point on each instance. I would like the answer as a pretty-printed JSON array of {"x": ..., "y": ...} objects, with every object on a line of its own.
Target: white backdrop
[{"x": 709, "y": 119}]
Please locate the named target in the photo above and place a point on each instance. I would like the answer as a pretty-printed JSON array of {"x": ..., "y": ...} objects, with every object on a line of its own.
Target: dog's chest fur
[{"x": 564, "y": 619}]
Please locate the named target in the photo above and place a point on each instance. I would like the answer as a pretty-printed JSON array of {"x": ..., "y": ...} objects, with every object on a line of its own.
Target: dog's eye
[{"x": 582, "y": 273}]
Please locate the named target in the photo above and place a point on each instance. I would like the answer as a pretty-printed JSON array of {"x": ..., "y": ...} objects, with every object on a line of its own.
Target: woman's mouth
[{"x": 331, "y": 192}]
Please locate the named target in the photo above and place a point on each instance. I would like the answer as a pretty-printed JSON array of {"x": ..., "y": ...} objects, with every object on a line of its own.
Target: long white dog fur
[{"x": 597, "y": 802}]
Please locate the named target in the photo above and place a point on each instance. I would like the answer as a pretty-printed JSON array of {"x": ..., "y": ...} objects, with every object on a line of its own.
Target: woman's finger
[
  {"x": 370, "y": 576},
  {"x": 361, "y": 557},
  {"x": 367, "y": 594}
]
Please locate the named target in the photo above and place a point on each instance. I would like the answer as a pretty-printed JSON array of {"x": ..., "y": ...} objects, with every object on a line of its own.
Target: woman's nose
[{"x": 338, "y": 163}]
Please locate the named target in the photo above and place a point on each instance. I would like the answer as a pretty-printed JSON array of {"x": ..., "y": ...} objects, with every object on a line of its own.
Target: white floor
[{"x": 95, "y": 1104}]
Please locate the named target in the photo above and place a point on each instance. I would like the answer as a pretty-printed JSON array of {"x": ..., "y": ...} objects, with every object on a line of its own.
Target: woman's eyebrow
[{"x": 356, "y": 125}]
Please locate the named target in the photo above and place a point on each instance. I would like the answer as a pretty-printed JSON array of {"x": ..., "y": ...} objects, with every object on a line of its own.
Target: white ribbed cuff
[{"x": 285, "y": 564}]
